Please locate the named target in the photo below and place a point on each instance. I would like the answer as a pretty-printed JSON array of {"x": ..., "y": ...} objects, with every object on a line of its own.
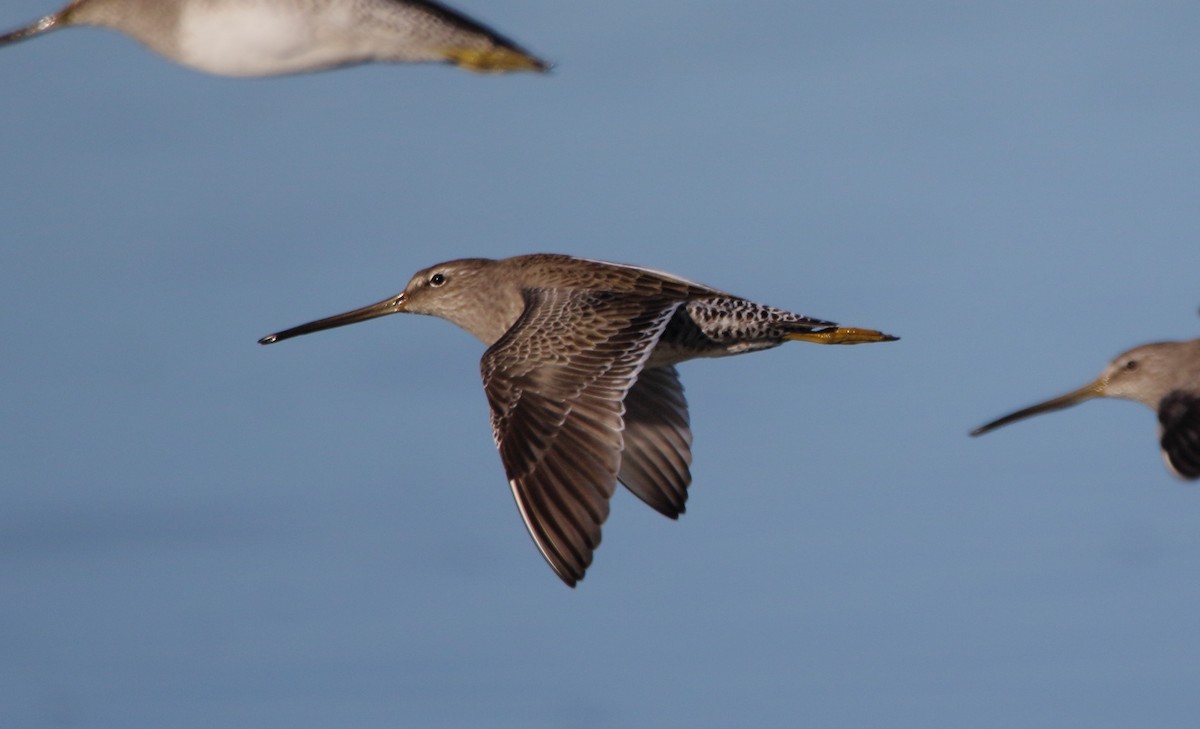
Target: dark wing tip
[
  {"x": 1179, "y": 415},
  {"x": 657, "y": 449}
]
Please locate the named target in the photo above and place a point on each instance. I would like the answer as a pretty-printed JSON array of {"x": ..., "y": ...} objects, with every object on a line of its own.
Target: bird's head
[
  {"x": 466, "y": 292},
  {"x": 1147, "y": 373},
  {"x": 1144, "y": 374}
]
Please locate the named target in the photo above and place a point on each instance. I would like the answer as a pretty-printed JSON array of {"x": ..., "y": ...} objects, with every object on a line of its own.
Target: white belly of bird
[{"x": 264, "y": 38}]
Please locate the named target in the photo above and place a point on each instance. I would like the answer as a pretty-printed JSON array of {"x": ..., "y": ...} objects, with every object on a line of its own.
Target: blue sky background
[{"x": 196, "y": 531}]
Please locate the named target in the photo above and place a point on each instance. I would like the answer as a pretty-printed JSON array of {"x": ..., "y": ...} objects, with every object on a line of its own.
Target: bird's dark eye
[
  {"x": 437, "y": 279},
  {"x": 1131, "y": 365}
]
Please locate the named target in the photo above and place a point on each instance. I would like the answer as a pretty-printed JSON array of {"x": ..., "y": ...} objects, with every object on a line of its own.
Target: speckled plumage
[
  {"x": 580, "y": 376},
  {"x": 1165, "y": 377},
  {"x": 271, "y": 37}
]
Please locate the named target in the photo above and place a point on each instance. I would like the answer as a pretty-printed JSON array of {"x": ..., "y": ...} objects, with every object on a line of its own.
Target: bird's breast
[{"x": 266, "y": 37}]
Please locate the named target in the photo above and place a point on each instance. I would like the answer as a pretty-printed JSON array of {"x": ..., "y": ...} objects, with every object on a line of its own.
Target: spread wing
[
  {"x": 658, "y": 441},
  {"x": 556, "y": 382},
  {"x": 1179, "y": 420}
]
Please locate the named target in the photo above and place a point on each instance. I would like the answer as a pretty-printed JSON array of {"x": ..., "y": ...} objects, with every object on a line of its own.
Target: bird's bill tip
[
  {"x": 842, "y": 335},
  {"x": 495, "y": 60},
  {"x": 1087, "y": 392}
]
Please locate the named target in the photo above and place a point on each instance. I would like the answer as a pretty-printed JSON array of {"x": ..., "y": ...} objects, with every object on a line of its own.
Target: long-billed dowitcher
[
  {"x": 580, "y": 375},
  {"x": 271, "y": 37}
]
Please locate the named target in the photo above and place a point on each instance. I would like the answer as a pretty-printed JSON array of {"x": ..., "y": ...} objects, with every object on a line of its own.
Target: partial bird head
[
  {"x": 465, "y": 292},
  {"x": 1144, "y": 374}
]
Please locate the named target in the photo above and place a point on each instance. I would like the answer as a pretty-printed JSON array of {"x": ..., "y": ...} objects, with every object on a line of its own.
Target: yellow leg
[
  {"x": 842, "y": 335},
  {"x": 495, "y": 60}
]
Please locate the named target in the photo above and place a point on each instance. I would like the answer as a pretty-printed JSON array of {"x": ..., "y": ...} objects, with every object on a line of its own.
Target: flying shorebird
[
  {"x": 1165, "y": 377},
  {"x": 580, "y": 375},
  {"x": 273, "y": 37}
]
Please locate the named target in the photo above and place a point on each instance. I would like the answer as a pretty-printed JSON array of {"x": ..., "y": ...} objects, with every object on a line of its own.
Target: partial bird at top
[
  {"x": 274, "y": 37},
  {"x": 580, "y": 375},
  {"x": 1165, "y": 377}
]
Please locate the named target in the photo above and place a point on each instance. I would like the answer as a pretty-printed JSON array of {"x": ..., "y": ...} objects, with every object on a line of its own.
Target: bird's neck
[
  {"x": 151, "y": 22},
  {"x": 493, "y": 315}
]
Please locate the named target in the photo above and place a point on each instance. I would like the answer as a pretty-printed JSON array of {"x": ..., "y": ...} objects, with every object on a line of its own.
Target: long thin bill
[
  {"x": 50, "y": 22},
  {"x": 1094, "y": 389},
  {"x": 388, "y": 306}
]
